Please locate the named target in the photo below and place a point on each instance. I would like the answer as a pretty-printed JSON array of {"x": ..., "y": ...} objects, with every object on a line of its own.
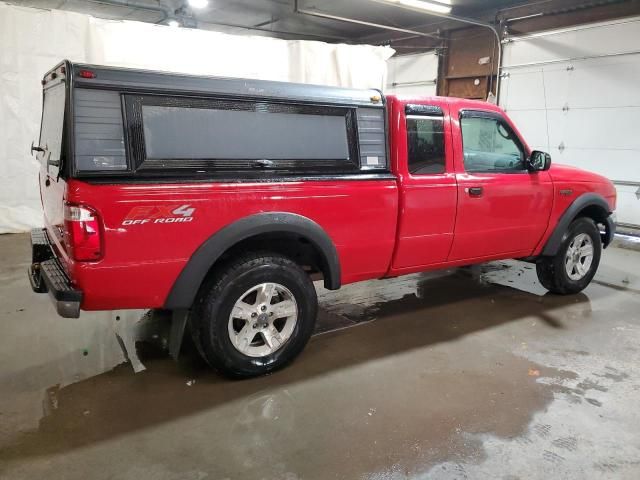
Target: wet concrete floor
[{"x": 467, "y": 373}]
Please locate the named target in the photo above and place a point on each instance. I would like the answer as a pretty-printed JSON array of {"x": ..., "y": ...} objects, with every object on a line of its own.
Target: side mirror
[{"x": 538, "y": 161}]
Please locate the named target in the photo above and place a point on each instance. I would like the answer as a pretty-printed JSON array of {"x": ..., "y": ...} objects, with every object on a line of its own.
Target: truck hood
[
  {"x": 564, "y": 176},
  {"x": 567, "y": 173}
]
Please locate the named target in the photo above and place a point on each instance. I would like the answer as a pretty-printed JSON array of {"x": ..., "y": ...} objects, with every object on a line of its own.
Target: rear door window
[
  {"x": 52, "y": 125},
  {"x": 425, "y": 144}
]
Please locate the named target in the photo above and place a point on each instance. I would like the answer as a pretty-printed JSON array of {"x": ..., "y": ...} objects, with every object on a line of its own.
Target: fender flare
[
  {"x": 583, "y": 201},
  {"x": 186, "y": 286}
]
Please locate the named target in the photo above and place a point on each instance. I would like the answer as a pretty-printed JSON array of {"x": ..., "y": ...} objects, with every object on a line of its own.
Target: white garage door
[
  {"x": 414, "y": 74},
  {"x": 576, "y": 94}
]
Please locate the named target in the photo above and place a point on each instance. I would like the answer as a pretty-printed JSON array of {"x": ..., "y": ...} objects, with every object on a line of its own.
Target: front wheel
[
  {"x": 576, "y": 262},
  {"x": 254, "y": 315}
]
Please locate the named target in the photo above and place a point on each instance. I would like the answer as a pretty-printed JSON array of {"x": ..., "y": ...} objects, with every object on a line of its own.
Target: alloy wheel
[
  {"x": 263, "y": 319},
  {"x": 579, "y": 257}
]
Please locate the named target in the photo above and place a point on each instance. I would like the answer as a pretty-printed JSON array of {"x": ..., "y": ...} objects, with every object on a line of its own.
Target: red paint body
[{"x": 380, "y": 228}]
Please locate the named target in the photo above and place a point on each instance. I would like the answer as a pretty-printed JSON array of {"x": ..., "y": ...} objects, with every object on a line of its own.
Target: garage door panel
[
  {"x": 588, "y": 40},
  {"x": 612, "y": 164},
  {"x": 601, "y": 129},
  {"x": 628, "y": 208},
  {"x": 523, "y": 90},
  {"x": 593, "y": 83},
  {"x": 528, "y": 122},
  {"x": 586, "y": 84},
  {"x": 557, "y": 81},
  {"x": 421, "y": 90},
  {"x": 412, "y": 74}
]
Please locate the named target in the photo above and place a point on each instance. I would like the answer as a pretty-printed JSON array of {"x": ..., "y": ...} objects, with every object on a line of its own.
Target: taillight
[{"x": 83, "y": 235}]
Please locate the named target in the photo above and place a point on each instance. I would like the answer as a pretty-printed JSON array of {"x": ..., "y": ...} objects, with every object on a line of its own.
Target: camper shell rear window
[{"x": 52, "y": 126}]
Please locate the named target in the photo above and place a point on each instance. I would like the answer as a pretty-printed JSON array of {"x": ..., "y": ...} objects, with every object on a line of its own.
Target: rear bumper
[{"x": 46, "y": 275}]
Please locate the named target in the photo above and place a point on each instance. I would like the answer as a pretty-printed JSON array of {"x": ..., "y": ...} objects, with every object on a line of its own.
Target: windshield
[{"x": 52, "y": 122}]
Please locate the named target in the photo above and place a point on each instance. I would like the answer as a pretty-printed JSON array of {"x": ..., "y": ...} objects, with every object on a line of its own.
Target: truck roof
[
  {"x": 460, "y": 102},
  {"x": 130, "y": 79}
]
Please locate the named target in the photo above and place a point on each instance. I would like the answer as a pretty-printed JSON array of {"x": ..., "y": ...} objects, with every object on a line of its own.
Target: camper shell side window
[
  {"x": 182, "y": 134},
  {"x": 137, "y": 125}
]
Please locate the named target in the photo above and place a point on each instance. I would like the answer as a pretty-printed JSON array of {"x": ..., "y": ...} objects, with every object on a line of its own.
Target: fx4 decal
[{"x": 159, "y": 214}]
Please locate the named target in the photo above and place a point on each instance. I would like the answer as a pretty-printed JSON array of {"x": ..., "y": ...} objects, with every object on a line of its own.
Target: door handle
[{"x": 474, "y": 191}]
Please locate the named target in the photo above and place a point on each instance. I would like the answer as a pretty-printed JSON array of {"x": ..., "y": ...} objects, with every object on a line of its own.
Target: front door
[{"x": 503, "y": 209}]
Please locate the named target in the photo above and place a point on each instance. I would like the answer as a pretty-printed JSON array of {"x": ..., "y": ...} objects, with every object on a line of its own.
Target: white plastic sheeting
[
  {"x": 32, "y": 41},
  {"x": 575, "y": 93}
]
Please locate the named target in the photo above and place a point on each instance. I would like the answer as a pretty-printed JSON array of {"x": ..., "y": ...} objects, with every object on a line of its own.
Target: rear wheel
[
  {"x": 254, "y": 315},
  {"x": 576, "y": 262}
]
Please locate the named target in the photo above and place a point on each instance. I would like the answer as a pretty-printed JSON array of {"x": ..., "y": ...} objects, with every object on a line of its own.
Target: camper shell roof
[{"x": 134, "y": 80}]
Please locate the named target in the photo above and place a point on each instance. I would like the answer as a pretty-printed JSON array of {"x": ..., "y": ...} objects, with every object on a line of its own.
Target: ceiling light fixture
[
  {"x": 198, "y": 3},
  {"x": 440, "y": 6}
]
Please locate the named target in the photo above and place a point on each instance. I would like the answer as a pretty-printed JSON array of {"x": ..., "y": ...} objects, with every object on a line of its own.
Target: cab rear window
[{"x": 425, "y": 144}]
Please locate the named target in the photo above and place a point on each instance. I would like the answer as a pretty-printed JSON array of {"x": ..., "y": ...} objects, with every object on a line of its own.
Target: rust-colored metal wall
[{"x": 469, "y": 63}]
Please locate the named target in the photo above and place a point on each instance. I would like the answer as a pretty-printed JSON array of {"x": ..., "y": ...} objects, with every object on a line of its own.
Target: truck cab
[
  {"x": 219, "y": 199},
  {"x": 464, "y": 166}
]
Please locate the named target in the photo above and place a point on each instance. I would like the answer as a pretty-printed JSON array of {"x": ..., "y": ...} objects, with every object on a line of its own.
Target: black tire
[
  {"x": 551, "y": 270},
  {"x": 209, "y": 317}
]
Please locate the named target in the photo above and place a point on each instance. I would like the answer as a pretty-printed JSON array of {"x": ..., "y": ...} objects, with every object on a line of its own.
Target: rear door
[
  {"x": 52, "y": 185},
  {"x": 503, "y": 209},
  {"x": 423, "y": 156}
]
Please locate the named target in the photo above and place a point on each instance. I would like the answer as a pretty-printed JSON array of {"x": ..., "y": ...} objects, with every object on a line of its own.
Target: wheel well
[
  {"x": 599, "y": 216},
  {"x": 296, "y": 247},
  {"x": 297, "y": 237},
  {"x": 588, "y": 205},
  {"x": 594, "y": 212}
]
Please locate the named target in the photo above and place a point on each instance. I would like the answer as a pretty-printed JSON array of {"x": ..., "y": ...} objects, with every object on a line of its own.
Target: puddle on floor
[
  {"x": 358, "y": 400},
  {"x": 411, "y": 386},
  {"x": 94, "y": 342}
]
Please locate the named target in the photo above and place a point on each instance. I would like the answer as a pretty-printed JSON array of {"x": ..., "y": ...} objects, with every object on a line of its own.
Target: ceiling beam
[{"x": 319, "y": 14}]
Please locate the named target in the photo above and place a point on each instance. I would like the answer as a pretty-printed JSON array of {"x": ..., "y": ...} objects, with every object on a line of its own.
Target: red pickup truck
[{"x": 219, "y": 199}]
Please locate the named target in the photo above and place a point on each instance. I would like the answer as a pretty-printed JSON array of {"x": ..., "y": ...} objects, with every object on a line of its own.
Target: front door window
[{"x": 489, "y": 145}]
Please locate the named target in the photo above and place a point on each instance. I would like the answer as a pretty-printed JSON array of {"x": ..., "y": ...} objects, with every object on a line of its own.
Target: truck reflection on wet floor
[
  {"x": 412, "y": 312},
  {"x": 367, "y": 301}
]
